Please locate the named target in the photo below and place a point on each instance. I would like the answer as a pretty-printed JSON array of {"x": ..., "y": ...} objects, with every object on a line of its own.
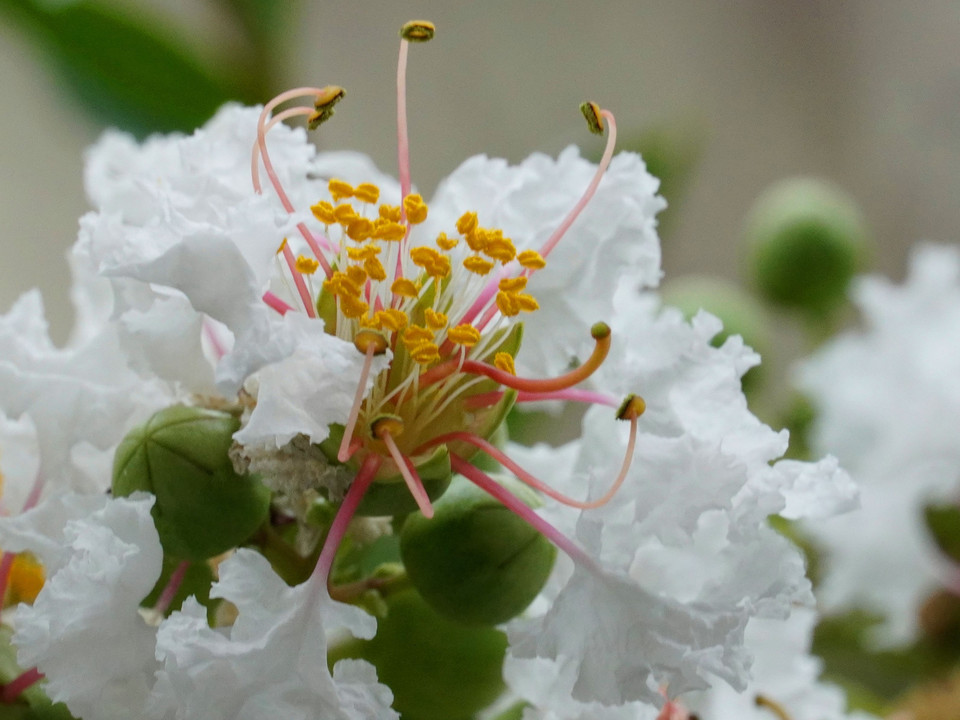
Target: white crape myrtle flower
[
  {"x": 888, "y": 403},
  {"x": 338, "y": 307},
  {"x": 687, "y": 554}
]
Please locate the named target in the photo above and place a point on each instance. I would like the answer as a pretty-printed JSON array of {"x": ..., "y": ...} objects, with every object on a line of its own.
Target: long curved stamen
[
  {"x": 519, "y": 508},
  {"x": 600, "y": 332},
  {"x": 590, "y": 397},
  {"x": 358, "y": 488},
  {"x": 278, "y": 304},
  {"x": 283, "y": 97},
  {"x": 531, "y": 480},
  {"x": 409, "y": 474},
  {"x": 370, "y": 343},
  {"x": 170, "y": 591}
]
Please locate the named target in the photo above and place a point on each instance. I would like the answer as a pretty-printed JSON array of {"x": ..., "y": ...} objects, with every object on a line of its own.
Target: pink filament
[
  {"x": 569, "y": 395},
  {"x": 170, "y": 591},
  {"x": 276, "y": 303},
  {"x": 299, "y": 281},
  {"x": 410, "y": 476},
  {"x": 358, "y": 488},
  {"x": 210, "y": 332},
  {"x": 11, "y": 691},
  {"x": 403, "y": 147},
  {"x": 343, "y": 454},
  {"x": 532, "y": 481},
  {"x": 519, "y": 508}
]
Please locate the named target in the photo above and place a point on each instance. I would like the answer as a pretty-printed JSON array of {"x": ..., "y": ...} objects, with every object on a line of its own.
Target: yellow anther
[
  {"x": 364, "y": 252},
  {"x": 424, "y": 256},
  {"x": 507, "y": 303},
  {"x": 389, "y": 231},
  {"x": 386, "y": 425},
  {"x": 504, "y": 361},
  {"x": 418, "y": 31},
  {"x": 477, "y": 239},
  {"x": 323, "y": 105},
  {"x": 416, "y": 335},
  {"x": 390, "y": 212},
  {"x": 369, "y": 322},
  {"x": 25, "y": 580},
  {"x": 446, "y": 243},
  {"x": 440, "y": 268},
  {"x": 531, "y": 259},
  {"x": 282, "y": 246},
  {"x": 356, "y": 274},
  {"x": 359, "y": 229},
  {"x": 323, "y": 211},
  {"x": 416, "y": 209},
  {"x": 344, "y": 213},
  {"x": 435, "y": 320},
  {"x": 478, "y": 265},
  {"x": 512, "y": 284},
  {"x": 464, "y": 334},
  {"x": 364, "y": 339},
  {"x": 392, "y": 319},
  {"x": 367, "y": 192},
  {"x": 352, "y": 307},
  {"x": 591, "y": 112},
  {"x": 306, "y": 266},
  {"x": 374, "y": 269},
  {"x": 527, "y": 303},
  {"x": 501, "y": 249},
  {"x": 467, "y": 223},
  {"x": 631, "y": 408},
  {"x": 340, "y": 189},
  {"x": 404, "y": 288},
  {"x": 425, "y": 354}
]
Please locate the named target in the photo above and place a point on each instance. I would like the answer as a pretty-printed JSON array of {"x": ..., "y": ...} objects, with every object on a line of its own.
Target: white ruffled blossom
[
  {"x": 273, "y": 660},
  {"x": 888, "y": 403}
]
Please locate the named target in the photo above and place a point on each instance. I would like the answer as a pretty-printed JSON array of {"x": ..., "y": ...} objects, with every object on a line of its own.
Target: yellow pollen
[
  {"x": 323, "y": 105},
  {"x": 26, "y": 579},
  {"x": 476, "y": 239},
  {"x": 389, "y": 231},
  {"x": 513, "y": 284},
  {"x": 446, "y": 243},
  {"x": 467, "y": 223},
  {"x": 527, "y": 303},
  {"x": 306, "y": 266},
  {"x": 323, "y": 211},
  {"x": 367, "y": 192},
  {"x": 631, "y": 408},
  {"x": 418, "y": 31},
  {"x": 357, "y": 274},
  {"x": 374, "y": 269},
  {"x": 478, "y": 265},
  {"x": 416, "y": 335},
  {"x": 365, "y": 338},
  {"x": 282, "y": 246},
  {"x": 465, "y": 334},
  {"x": 416, "y": 209},
  {"x": 390, "y": 212},
  {"x": 425, "y": 354},
  {"x": 424, "y": 256},
  {"x": 404, "y": 288},
  {"x": 360, "y": 229},
  {"x": 435, "y": 320},
  {"x": 340, "y": 189},
  {"x": 364, "y": 252},
  {"x": 508, "y": 303},
  {"x": 391, "y": 319},
  {"x": 531, "y": 259},
  {"x": 386, "y": 424},
  {"x": 345, "y": 213},
  {"x": 441, "y": 268},
  {"x": 352, "y": 307},
  {"x": 504, "y": 361},
  {"x": 501, "y": 249}
]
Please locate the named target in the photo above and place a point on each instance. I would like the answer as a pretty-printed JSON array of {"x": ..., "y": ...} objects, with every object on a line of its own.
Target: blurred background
[{"x": 726, "y": 97}]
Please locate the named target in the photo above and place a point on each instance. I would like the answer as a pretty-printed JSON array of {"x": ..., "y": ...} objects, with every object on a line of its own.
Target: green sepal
[
  {"x": 475, "y": 561},
  {"x": 437, "y": 669},
  {"x": 203, "y": 506}
]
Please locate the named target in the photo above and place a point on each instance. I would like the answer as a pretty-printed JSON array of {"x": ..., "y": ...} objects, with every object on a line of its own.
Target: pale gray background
[{"x": 865, "y": 92}]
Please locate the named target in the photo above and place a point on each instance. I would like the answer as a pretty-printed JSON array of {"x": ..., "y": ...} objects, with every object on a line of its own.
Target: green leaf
[
  {"x": 125, "y": 71},
  {"x": 944, "y": 525}
]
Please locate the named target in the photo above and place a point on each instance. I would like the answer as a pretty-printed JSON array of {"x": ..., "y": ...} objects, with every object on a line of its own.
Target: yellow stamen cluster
[
  {"x": 504, "y": 361},
  {"x": 511, "y": 300}
]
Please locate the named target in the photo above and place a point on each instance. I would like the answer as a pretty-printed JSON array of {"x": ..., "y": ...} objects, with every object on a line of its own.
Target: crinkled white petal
[
  {"x": 273, "y": 661},
  {"x": 84, "y": 631},
  {"x": 19, "y": 461}
]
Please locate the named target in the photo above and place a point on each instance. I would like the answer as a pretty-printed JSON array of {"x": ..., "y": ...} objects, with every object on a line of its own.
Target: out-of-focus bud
[
  {"x": 203, "y": 506},
  {"x": 437, "y": 669},
  {"x": 476, "y": 562},
  {"x": 806, "y": 240}
]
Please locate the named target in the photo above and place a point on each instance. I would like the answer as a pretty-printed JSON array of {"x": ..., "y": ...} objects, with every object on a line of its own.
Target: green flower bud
[
  {"x": 806, "y": 240},
  {"x": 476, "y": 562},
  {"x": 203, "y": 506},
  {"x": 437, "y": 669}
]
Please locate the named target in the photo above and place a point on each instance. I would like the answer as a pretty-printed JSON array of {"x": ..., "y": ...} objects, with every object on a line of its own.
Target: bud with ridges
[
  {"x": 203, "y": 506},
  {"x": 476, "y": 562},
  {"x": 437, "y": 669},
  {"x": 806, "y": 241}
]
